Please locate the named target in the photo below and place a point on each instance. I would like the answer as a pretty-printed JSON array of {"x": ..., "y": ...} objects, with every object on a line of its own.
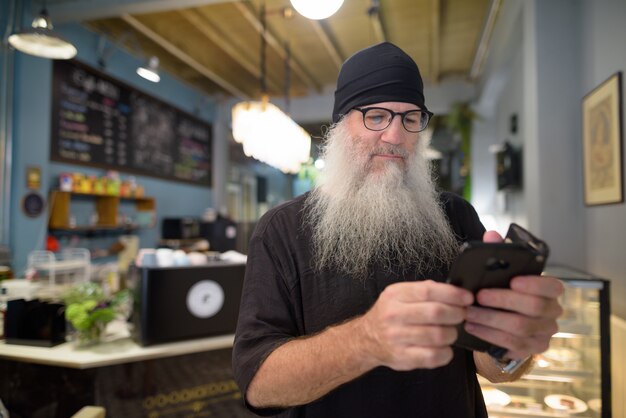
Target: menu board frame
[{"x": 99, "y": 121}]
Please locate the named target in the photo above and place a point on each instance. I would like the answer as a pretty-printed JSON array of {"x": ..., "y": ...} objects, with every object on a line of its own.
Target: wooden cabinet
[{"x": 106, "y": 208}]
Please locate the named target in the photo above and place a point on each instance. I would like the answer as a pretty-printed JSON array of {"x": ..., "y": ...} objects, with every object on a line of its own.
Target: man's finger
[
  {"x": 429, "y": 290},
  {"x": 492, "y": 236},
  {"x": 545, "y": 286}
]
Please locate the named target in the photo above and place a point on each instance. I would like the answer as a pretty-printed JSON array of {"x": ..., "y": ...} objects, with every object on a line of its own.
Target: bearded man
[{"x": 345, "y": 311}]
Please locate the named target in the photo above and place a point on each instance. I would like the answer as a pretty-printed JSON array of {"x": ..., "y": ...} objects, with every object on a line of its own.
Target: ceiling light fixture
[
  {"x": 270, "y": 136},
  {"x": 318, "y": 9},
  {"x": 150, "y": 71},
  {"x": 266, "y": 132},
  {"x": 42, "y": 41}
]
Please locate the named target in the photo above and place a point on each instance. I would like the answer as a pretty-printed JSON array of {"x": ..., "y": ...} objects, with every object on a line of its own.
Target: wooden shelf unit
[{"x": 106, "y": 207}]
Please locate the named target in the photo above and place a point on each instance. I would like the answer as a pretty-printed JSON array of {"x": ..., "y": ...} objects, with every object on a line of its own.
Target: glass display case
[{"x": 572, "y": 378}]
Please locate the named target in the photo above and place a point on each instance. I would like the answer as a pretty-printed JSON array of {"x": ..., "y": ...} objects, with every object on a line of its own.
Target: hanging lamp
[
  {"x": 42, "y": 41},
  {"x": 316, "y": 9},
  {"x": 150, "y": 71},
  {"x": 266, "y": 132}
]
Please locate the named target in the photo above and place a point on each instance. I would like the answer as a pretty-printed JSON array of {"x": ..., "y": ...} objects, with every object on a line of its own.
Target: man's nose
[{"x": 395, "y": 132}]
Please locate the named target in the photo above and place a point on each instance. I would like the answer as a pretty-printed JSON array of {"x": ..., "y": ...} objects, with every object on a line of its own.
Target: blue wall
[{"x": 32, "y": 109}]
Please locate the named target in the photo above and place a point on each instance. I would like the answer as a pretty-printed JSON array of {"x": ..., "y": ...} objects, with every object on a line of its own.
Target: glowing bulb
[
  {"x": 151, "y": 70},
  {"x": 42, "y": 41},
  {"x": 270, "y": 136},
  {"x": 316, "y": 9}
]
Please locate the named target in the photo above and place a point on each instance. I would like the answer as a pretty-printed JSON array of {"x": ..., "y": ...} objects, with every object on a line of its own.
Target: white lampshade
[
  {"x": 150, "y": 71},
  {"x": 316, "y": 9},
  {"x": 270, "y": 136},
  {"x": 41, "y": 41}
]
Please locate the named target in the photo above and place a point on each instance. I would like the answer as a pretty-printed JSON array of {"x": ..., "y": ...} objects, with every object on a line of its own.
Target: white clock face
[{"x": 205, "y": 299}]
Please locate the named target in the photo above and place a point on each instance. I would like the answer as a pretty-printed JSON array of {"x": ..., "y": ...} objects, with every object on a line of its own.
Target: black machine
[
  {"x": 221, "y": 233},
  {"x": 180, "y": 303},
  {"x": 180, "y": 228},
  {"x": 509, "y": 168},
  {"x": 34, "y": 322}
]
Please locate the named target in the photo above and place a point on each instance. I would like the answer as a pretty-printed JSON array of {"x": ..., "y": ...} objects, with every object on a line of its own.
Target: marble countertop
[{"x": 117, "y": 348}]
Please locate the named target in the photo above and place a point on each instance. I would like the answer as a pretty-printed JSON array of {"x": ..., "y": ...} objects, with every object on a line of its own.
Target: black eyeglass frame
[{"x": 402, "y": 115}]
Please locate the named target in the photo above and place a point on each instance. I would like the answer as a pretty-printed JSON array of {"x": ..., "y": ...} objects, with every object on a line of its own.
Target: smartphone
[{"x": 483, "y": 265}]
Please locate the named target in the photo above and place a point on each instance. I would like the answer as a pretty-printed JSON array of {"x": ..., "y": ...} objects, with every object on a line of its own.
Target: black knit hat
[{"x": 379, "y": 73}]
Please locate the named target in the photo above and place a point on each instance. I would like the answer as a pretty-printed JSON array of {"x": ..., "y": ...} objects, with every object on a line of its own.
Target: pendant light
[
  {"x": 42, "y": 41},
  {"x": 150, "y": 71},
  {"x": 266, "y": 132},
  {"x": 316, "y": 9}
]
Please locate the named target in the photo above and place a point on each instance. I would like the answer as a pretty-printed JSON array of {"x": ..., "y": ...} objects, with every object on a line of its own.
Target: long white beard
[{"x": 391, "y": 217}]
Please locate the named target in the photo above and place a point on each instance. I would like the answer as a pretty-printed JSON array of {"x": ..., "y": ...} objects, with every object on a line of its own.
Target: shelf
[
  {"x": 63, "y": 265},
  {"x": 571, "y": 329},
  {"x": 96, "y": 228},
  {"x": 106, "y": 208},
  {"x": 552, "y": 376},
  {"x": 547, "y": 374},
  {"x": 518, "y": 412}
]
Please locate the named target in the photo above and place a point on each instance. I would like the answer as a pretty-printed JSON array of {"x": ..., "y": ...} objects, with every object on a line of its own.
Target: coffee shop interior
[{"x": 141, "y": 141}]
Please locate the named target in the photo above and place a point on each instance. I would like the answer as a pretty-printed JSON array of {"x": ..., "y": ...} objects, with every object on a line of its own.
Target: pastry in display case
[{"x": 572, "y": 378}]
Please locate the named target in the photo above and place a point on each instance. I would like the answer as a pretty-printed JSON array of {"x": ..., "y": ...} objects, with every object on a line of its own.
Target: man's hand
[
  {"x": 412, "y": 324},
  {"x": 530, "y": 322}
]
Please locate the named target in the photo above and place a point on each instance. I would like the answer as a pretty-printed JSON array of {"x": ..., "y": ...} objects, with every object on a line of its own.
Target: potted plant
[{"x": 89, "y": 311}]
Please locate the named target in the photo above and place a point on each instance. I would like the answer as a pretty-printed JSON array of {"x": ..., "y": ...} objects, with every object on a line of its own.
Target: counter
[
  {"x": 191, "y": 378},
  {"x": 117, "y": 351},
  {"x": 176, "y": 364}
]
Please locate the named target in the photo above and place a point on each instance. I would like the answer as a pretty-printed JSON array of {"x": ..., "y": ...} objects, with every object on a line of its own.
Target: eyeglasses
[{"x": 379, "y": 118}]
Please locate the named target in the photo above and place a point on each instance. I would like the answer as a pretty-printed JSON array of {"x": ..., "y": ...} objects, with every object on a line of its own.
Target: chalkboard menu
[{"x": 101, "y": 122}]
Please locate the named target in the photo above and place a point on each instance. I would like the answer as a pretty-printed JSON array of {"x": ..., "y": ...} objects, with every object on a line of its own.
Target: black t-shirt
[{"x": 284, "y": 298}]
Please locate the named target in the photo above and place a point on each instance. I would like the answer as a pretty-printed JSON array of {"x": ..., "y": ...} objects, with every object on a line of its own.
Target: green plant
[
  {"x": 89, "y": 310},
  {"x": 460, "y": 120}
]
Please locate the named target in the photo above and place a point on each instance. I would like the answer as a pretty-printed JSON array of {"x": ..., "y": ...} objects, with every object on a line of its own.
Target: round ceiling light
[{"x": 318, "y": 9}]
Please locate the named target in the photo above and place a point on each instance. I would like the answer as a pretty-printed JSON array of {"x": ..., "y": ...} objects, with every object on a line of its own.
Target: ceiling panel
[{"x": 217, "y": 47}]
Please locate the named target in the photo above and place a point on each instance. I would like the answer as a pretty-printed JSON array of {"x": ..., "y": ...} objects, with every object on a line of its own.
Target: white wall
[
  {"x": 546, "y": 55},
  {"x": 533, "y": 61},
  {"x": 498, "y": 209},
  {"x": 552, "y": 64},
  {"x": 603, "y": 47}
]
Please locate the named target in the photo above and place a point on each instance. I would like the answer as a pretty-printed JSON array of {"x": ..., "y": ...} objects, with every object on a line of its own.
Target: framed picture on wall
[{"x": 602, "y": 143}]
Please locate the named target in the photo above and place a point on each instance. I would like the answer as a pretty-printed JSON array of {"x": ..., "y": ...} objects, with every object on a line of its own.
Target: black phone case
[{"x": 491, "y": 265}]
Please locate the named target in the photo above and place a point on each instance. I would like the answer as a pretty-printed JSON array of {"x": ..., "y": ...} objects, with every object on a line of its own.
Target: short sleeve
[{"x": 266, "y": 317}]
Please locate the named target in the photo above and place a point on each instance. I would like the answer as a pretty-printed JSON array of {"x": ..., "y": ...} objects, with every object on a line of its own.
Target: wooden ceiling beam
[
  {"x": 225, "y": 43},
  {"x": 183, "y": 56},
  {"x": 377, "y": 23},
  {"x": 435, "y": 41},
  {"x": 80, "y": 10},
  {"x": 251, "y": 16},
  {"x": 329, "y": 44},
  {"x": 485, "y": 39}
]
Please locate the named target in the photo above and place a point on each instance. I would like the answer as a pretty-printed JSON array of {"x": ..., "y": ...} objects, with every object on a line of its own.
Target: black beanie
[{"x": 379, "y": 73}]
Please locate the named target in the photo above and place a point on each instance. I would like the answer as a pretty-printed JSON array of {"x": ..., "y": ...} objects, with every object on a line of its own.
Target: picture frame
[
  {"x": 602, "y": 143},
  {"x": 33, "y": 177}
]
